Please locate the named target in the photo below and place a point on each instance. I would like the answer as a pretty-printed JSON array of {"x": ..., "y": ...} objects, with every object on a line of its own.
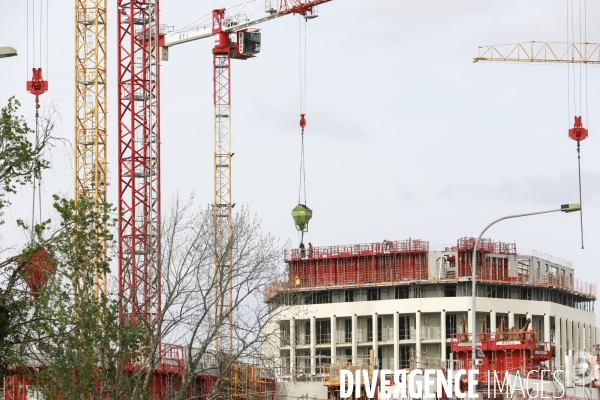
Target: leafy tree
[
  {"x": 79, "y": 341},
  {"x": 21, "y": 160}
]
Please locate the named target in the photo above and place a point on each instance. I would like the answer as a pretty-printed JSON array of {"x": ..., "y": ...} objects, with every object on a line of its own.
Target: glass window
[
  {"x": 401, "y": 292},
  {"x": 348, "y": 296},
  {"x": 373, "y": 294},
  {"x": 450, "y": 290}
]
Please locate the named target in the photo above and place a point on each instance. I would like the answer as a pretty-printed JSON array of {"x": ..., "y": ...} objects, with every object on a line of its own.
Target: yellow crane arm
[{"x": 550, "y": 52}]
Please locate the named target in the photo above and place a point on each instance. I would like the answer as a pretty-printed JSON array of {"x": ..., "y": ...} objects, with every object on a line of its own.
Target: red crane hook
[
  {"x": 578, "y": 132},
  {"x": 302, "y": 122}
]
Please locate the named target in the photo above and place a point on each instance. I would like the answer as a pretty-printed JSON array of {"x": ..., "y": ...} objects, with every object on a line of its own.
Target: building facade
[{"x": 399, "y": 302}]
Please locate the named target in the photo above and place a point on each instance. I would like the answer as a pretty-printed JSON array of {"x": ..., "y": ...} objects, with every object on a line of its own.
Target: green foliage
[
  {"x": 69, "y": 329},
  {"x": 84, "y": 343},
  {"x": 21, "y": 160}
]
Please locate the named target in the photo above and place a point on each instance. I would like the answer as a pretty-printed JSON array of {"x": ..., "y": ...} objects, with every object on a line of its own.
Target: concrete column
[
  {"x": 293, "y": 346},
  {"x": 511, "y": 320},
  {"x": 584, "y": 338},
  {"x": 418, "y": 334},
  {"x": 354, "y": 338},
  {"x": 396, "y": 345},
  {"x": 576, "y": 337},
  {"x": 443, "y": 335},
  {"x": 569, "y": 325},
  {"x": 375, "y": 338},
  {"x": 590, "y": 338},
  {"x": 313, "y": 346},
  {"x": 469, "y": 319},
  {"x": 563, "y": 340},
  {"x": 558, "y": 337},
  {"x": 333, "y": 339},
  {"x": 546, "y": 328},
  {"x": 493, "y": 321}
]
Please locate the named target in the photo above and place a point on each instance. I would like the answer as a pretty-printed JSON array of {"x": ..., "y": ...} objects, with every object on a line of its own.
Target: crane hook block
[
  {"x": 37, "y": 85},
  {"x": 301, "y": 214},
  {"x": 302, "y": 122},
  {"x": 578, "y": 132}
]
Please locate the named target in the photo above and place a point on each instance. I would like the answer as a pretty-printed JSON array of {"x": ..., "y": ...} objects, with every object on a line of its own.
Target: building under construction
[{"x": 409, "y": 306}]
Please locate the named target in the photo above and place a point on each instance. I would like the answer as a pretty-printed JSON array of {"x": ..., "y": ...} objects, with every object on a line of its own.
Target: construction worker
[
  {"x": 297, "y": 281},
  {"x": 386, "y": 245},
  {"x": 310, "y": 249},
  {"x": 302, "y": 250}
]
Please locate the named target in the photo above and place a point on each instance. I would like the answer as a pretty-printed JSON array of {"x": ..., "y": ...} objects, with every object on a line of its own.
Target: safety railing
[
  {"x": 431, "y": 332},
  {"x": 323, "y": 338},
  {"x": 556, "y": 281},
  {"x": 171, "y": 357},
  {"x": 332, "y": 372},
  {"x": 387, "y": 334},
  {"x": 387, "y": 363},
  {"x": 485, "y": 245},
  {"x": 364, "y": 336},
  {"x": 545, "y": 257},
  {"x": 302, "y": 339},
  {"x": 284, "y": 339},
  {"x": 344, "y": 337},
  {"x": 406, "y": 334},
  {"x": 412, "y": 245}
]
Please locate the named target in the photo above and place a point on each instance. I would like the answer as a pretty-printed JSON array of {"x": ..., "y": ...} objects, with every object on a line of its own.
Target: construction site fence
[
  {"x": 362, "y": 249},
  {"x": 424, "y": 360}
]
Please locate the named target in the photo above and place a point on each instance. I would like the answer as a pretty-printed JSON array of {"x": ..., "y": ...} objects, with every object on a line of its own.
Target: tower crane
[
  {"x": 141, "y": 46},
  {"x": 90, "y": 166},
  {"x": 549, "y": 52}
]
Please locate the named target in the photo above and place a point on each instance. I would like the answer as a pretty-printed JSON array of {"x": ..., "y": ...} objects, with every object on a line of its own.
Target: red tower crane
[{"x": 140, "y": 46}]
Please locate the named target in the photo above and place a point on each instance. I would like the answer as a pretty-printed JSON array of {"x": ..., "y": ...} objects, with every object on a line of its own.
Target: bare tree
[{"x": 192, "y": 290}]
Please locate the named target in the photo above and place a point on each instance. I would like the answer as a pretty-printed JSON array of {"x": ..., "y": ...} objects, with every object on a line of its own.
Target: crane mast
[
  {"x": 139, "y": 157},
  {"x": 222, "y": 206},
  {"x": 90, "y": 170},
  {"x": 233, "y": 40}
]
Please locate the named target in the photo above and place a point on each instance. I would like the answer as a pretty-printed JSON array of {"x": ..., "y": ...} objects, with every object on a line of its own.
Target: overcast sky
[{"x": 406, "y": 137}]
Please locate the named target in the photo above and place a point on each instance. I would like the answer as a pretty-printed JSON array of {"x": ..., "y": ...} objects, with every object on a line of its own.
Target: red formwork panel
[
  {"x": 370, "y": 263},
  {"x": 351, "y": 271},
  {"x": 367, "y": 270},
  {"x": 421, "y": 266},
  {"x": 319, "y": 272}
]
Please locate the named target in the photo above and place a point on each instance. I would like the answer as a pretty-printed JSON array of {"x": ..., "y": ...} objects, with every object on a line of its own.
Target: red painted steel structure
[
  {"x": 512, "y": 351},
  {"x": 139, "y": 156},
  {"x": 488, "y": 267}
]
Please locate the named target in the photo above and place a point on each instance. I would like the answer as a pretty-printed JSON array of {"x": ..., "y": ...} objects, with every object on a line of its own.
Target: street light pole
[{"x": 564, "y": 208}]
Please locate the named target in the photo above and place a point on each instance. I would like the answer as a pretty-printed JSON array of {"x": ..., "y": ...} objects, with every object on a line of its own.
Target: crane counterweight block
[{"x": 578, "y": 132}]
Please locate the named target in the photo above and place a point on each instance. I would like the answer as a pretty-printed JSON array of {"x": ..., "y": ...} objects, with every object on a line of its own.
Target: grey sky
[{"x": 406, "y": 137}]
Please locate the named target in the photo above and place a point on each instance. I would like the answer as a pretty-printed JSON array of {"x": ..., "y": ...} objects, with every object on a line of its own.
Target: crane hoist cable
[
  {"x": 37, "y": 85},
  {"x": 301, "y": 213},
  {"x": 578, "y": 132}
]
